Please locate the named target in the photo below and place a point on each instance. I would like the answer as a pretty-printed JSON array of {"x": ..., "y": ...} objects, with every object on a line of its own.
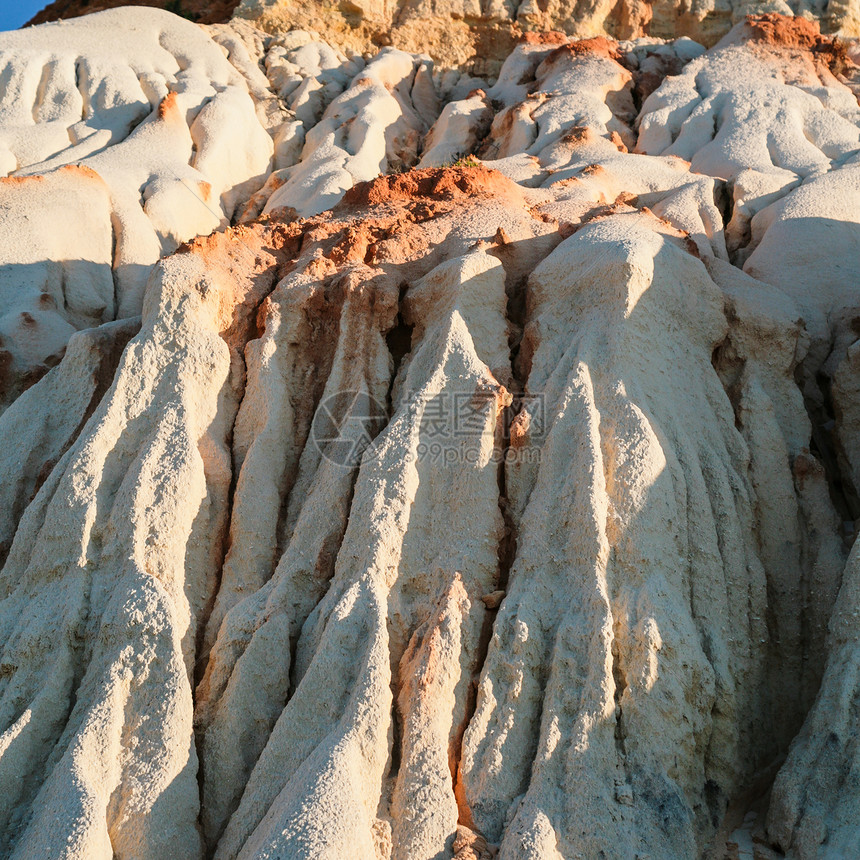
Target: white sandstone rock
[
  {"x": 133, "y": 104},
  {"x": 373, "y": 127},
  {"x": 445, "y": 515}
]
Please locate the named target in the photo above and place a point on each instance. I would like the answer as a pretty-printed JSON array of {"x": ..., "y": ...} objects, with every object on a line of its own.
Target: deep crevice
[
  {"x": 818, "y": 400},
  {"x": 200, "y": 657},
  {"x": 272, "y": 276},
  {"x": 399, "y": 342},
  {"x": 619, "y": 677},
  {"x": 325, "y": 562},
  {"x": 723, "y": 200},
  {"x": 515, "y": 289}
]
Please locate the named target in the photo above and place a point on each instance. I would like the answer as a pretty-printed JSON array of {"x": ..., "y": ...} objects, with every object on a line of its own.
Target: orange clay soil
[
  {"x": 781, "y": 31},
  {"x": 378, "y": 222},
  {"x": 452, "y": 183},
  {"x": 550, "y": 37},
  {"x": 598, "y": 45}
]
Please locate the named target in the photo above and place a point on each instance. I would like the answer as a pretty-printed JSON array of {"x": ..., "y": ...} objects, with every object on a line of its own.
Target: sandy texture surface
[{"x": 471, "y": 471}]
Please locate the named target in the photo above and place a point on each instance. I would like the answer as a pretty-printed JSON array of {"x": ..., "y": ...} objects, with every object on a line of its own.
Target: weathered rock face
[
  {"x": 110, "y": 147},
  {"x": 480, "y": 33},
  {"x": 498, "y": 508}
]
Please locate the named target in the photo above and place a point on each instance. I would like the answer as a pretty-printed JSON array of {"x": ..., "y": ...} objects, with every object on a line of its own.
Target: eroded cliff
[{"x": 498, "y": 505}]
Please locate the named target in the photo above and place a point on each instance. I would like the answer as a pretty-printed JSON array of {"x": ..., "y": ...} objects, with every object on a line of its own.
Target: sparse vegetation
[{"x": 466, "y": 161}]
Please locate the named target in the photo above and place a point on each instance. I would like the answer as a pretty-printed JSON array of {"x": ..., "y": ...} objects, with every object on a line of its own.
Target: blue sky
[{"x": 14, "y": 13}]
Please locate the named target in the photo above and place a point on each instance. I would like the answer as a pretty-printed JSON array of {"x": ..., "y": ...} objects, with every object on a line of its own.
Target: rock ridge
[{"x": 404, "y": 466}]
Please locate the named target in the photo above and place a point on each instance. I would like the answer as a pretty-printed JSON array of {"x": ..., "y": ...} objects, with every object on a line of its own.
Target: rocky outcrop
[
  {"x": 500, "y": 505},
  {"x": 112, "y": 157},
  {"x": 479, "y": 35}
]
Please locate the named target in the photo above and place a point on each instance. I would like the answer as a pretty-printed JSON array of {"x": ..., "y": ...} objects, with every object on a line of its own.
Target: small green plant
[{"x": 467, "y": 161}]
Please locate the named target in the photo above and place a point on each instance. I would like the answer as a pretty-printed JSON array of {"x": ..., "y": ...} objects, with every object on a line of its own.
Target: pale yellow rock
[
  {"x": 458, "y": 310},
  {"x": 113, "y": 153},
  {"x": 761, "y": 115},
  {"x": 53, "y": 282},
  {"x": 97, "y": 733},
  {"x": 490, "y": 513},
  {"x": 112, "y": 565},
  {"x": 620, "y": 572},
  {"x": 480, "y": 33},
  {"x": 41, "y": 425}
]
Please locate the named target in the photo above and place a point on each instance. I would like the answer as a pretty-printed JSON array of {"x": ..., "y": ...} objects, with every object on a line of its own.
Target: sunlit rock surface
[
  {"x": 398, "y": 464},
  {"x": 477, "y": 35},
  {"x": 480, "y": 33}
]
